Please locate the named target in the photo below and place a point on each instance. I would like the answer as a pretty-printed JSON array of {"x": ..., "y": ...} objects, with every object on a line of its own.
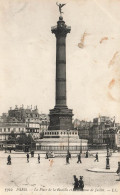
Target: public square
[{"x": 54, "y": 174}]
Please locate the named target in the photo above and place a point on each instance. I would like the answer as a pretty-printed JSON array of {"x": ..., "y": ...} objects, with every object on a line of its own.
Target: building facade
[
  {"x": 118, "y": 139},
  {"x": 111, "y": 137},
  {"x": 102, "y": 129},
  {"x": 7, "y": 128},
  {"x": 32, "y": 122},
  {"x": 83, "y": 128}
]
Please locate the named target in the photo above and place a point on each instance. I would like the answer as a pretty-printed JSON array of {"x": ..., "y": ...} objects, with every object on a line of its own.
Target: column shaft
[{"x": 61, "y": 71}]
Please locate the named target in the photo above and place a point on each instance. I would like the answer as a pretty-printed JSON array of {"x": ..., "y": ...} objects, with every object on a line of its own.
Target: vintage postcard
[{"x": 59, "y": 97}]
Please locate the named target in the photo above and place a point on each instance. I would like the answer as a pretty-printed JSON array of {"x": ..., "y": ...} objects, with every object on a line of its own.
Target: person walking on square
[
  {"x": 9, "y": 160},
  {"x": 118, "y": 170},
  {"x": 38, "y": 158},
  {"x": 27, "y": 157},
  {"x": 79, "y": 158},
  {"x": 69, "y": 154},
  {"x": 67, "y": 159},
  {"x": 96, "y": 157},
  {"x": 76, "y": 183},
  {"x": 46, "y": 155},
  {"x": 86, "y": 154},
  {"x": 81, "y": 183}
]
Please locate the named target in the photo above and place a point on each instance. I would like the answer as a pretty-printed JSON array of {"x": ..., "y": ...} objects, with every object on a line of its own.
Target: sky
[{"x": 28, "y": 54}]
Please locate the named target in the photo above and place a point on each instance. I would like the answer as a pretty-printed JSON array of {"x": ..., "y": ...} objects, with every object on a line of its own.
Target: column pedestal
[{"x": 60, "y": 118}]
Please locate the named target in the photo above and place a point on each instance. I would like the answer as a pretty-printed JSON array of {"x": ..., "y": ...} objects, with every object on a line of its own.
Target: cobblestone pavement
[{"x": 54, "y": 173}]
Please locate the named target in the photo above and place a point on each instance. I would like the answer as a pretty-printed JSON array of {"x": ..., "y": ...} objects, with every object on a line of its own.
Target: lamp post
[
  {"x": 68, "y": 139},
  {"x": 107, "y": 158}
]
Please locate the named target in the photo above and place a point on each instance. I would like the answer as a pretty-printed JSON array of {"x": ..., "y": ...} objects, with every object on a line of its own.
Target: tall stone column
[
  {"x": 60, "y": 116},
  {"x": 60, "y": 32}
]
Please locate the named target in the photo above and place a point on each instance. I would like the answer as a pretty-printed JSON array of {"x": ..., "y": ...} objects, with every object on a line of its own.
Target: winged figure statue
[{"x": 60, "y": 7}]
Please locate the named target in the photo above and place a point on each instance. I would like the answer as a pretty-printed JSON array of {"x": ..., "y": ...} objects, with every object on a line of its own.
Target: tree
[
  {"x": 25, "y": 139},
  {"x": 11, "y": 136}
]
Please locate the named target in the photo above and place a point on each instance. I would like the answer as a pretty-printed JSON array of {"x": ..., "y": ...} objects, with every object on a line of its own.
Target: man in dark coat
[
  {"x": 76, "y": 183},
  {"x": 69, "y": 155},
  {"x": 86, "y": 154},
  {"x": 79, "y": 158},
  {"x": 67, "y": 159},
  {"x": 81, "y": 183},
  {"x": 96, "y": 157},
  {"x": 27, "y": 157},
  {"x": 38, "y": 158},
  {"x": 118, "y": 170},
  {"x": 46, "y": 155},
  {"x": 9, "y": 160}
]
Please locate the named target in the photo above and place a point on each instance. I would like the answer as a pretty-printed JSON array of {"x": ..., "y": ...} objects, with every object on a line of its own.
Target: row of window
[
  {"x": 37, "y": 120},
  {"x": 57, "y": 133},
  {"x": 34, "y": 125},
  {"x": 33, "y": 131},
  {"x": 32, "y": 119},
  {"x": 44, "y": 122},
  {"x": 2, "y": 137},
  {"x": 32, "y": 115},
  {"x": 11, "y": 129}
]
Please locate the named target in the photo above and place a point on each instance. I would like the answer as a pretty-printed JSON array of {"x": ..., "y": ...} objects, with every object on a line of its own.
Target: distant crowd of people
[
  {"x": 48, "y": 154},
  {"x": 51, "y": 154},
  {"x": 68, "y": 156}
]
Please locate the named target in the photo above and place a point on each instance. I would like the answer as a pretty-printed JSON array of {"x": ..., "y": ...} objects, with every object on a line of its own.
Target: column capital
[{"x": 61, "y": 29}]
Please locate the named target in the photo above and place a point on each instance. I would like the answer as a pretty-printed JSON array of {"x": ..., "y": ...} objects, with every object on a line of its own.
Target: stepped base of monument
[{"x": 57, "y": 140}]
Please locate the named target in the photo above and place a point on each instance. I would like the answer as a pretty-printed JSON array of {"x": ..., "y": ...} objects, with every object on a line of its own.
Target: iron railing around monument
[{"x": 61, "y": 148}]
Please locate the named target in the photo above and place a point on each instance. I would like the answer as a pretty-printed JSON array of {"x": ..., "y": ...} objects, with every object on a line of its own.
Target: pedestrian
[
  {"x": 9, "y": 160},
  {"x": 38, "y": 158},
  {"x": 27, "y": 157},
  {"x": 81, "y": 183},
  {"x": 69, "y": 155},
  {"x": 67, "y": 159},
  {"x": 76, "y": 183},
  {"x": 96, "y": 157},
  {"x": 86, "y": 154},
  {"x": 118, "y": 170},
  {"x": 46, "y": 155},
  {"x": 79, "y": 158}
]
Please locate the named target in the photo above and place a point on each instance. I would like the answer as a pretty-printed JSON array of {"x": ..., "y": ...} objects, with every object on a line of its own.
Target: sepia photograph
[{"x": 59, "y": 97}]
